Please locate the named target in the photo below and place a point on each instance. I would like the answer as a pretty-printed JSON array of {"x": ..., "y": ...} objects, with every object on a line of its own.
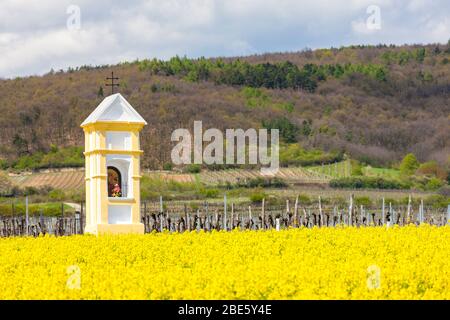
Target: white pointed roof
[{"x": 114, "y": 108}]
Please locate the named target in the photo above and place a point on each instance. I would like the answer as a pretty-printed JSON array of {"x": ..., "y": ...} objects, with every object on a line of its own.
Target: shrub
[
  {"x": 257, "y": 196},
  {"x": 210, "y": 193},
  {"x": 64, "y": 157},
  {"x": 293, "y": 154},
  {"x": 57, "y": 195},
  {"x": 369, "y": 183},
  {"x": 363, "y": 201},
  {"x": 76, "y": 195},
  {"x": 55, "y": 158},
  {"x": 29, "y": 191},
  {"x": 437, "y": 201},
  {"x": 3, "y": 164},
  {"x": 257, "y": 182},
  {"x": 278, "y": 183},
  {"x": 218, "y": 167},
  {"x": 27, "y": 162},
  {"x": 304, "y": 199},
  {"x": 432, "y": 168},
  {"x": 263, "y": 183},
  {"x": 193, "y": 168},
  {"x": 434, "y": 184},
  {"x": 155, "y": 185}
]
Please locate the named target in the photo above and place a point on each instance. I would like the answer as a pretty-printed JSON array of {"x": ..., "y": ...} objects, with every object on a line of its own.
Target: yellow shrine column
[{"x": 112, "y": 153}]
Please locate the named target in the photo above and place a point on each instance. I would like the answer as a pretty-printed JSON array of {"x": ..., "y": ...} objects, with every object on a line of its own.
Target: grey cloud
[{"x": 34, "y": 37}]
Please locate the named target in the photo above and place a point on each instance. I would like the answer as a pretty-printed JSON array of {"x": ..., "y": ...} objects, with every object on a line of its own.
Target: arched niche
[
  {"x": 119, "y": 169},
  {"x": 114, "y": 180}
]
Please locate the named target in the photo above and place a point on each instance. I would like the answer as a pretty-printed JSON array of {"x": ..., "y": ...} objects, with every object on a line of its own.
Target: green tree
[
  {"x": 3, "y": 164},
  {"x": 306, "y": 127},
  {"x": 434, "y": 184},
  {"x": 20, "y": 144},
  {"x": 409, "y": 164},
  {"x": 420, "y": 55},
  {"x": 288, "y": 130},
  {"x": 380, "y": 74}
]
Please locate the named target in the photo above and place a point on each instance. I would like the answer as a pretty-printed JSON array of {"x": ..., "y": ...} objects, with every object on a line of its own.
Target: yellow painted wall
[{"x": 97, "y": 200}]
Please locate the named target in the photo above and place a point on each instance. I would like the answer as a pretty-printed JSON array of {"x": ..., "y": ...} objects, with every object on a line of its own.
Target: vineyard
[
  {"x": 289, "y": 175},
  {"x": 74, "y": 179},
  {"x": 333, "y": 170},
  {"x": 186, "y": 217},
  {"x": 64, "y": 180}
]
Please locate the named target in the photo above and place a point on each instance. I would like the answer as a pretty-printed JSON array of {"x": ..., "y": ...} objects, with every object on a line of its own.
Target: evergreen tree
[{"x": 288, "y": 130}]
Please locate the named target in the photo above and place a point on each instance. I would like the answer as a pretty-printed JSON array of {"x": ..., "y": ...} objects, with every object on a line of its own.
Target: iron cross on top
[{"x": 112, "y": 84}]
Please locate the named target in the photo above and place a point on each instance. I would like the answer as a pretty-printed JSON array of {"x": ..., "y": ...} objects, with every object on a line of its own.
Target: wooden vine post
[
  {"x": 296, "y": 212},
  {"x": 26, "y": 215},
  {"x": 263, "y": 214},
  {"x": 408, "y": 212},
  {"x": 225, "y": 212},
  {"x": 350, "y": 209},
  {"x": 320, "y": 212},
  {"x": 232, "y": 217}
]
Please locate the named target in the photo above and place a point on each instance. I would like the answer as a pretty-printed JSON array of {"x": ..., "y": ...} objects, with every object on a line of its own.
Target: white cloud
[
  {"x": 360, "y": 27},
  {"x": 439, "y": 31},
  {"x": 34, "y": 37},
  {"x": 53, "y": 48},
  {"x": 240, "y": 48},
  {"x": 416, "y": 5}
]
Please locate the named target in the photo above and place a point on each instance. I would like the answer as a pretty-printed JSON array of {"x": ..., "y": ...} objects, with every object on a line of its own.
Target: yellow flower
[{"x": 319, "y": 263}]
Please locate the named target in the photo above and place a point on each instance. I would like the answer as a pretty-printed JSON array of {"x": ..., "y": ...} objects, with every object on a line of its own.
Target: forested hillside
[{"x": 375, "y": 104}]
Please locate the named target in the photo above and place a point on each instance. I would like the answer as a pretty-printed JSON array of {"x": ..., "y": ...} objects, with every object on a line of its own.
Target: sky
[{"x": 39, "y": 35}]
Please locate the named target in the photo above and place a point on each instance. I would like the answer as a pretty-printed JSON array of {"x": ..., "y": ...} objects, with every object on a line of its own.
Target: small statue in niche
[{"x": 116, "y": 192}]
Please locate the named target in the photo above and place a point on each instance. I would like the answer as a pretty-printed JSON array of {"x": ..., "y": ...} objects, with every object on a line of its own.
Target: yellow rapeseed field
[{"x": 327, "y": 263}]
